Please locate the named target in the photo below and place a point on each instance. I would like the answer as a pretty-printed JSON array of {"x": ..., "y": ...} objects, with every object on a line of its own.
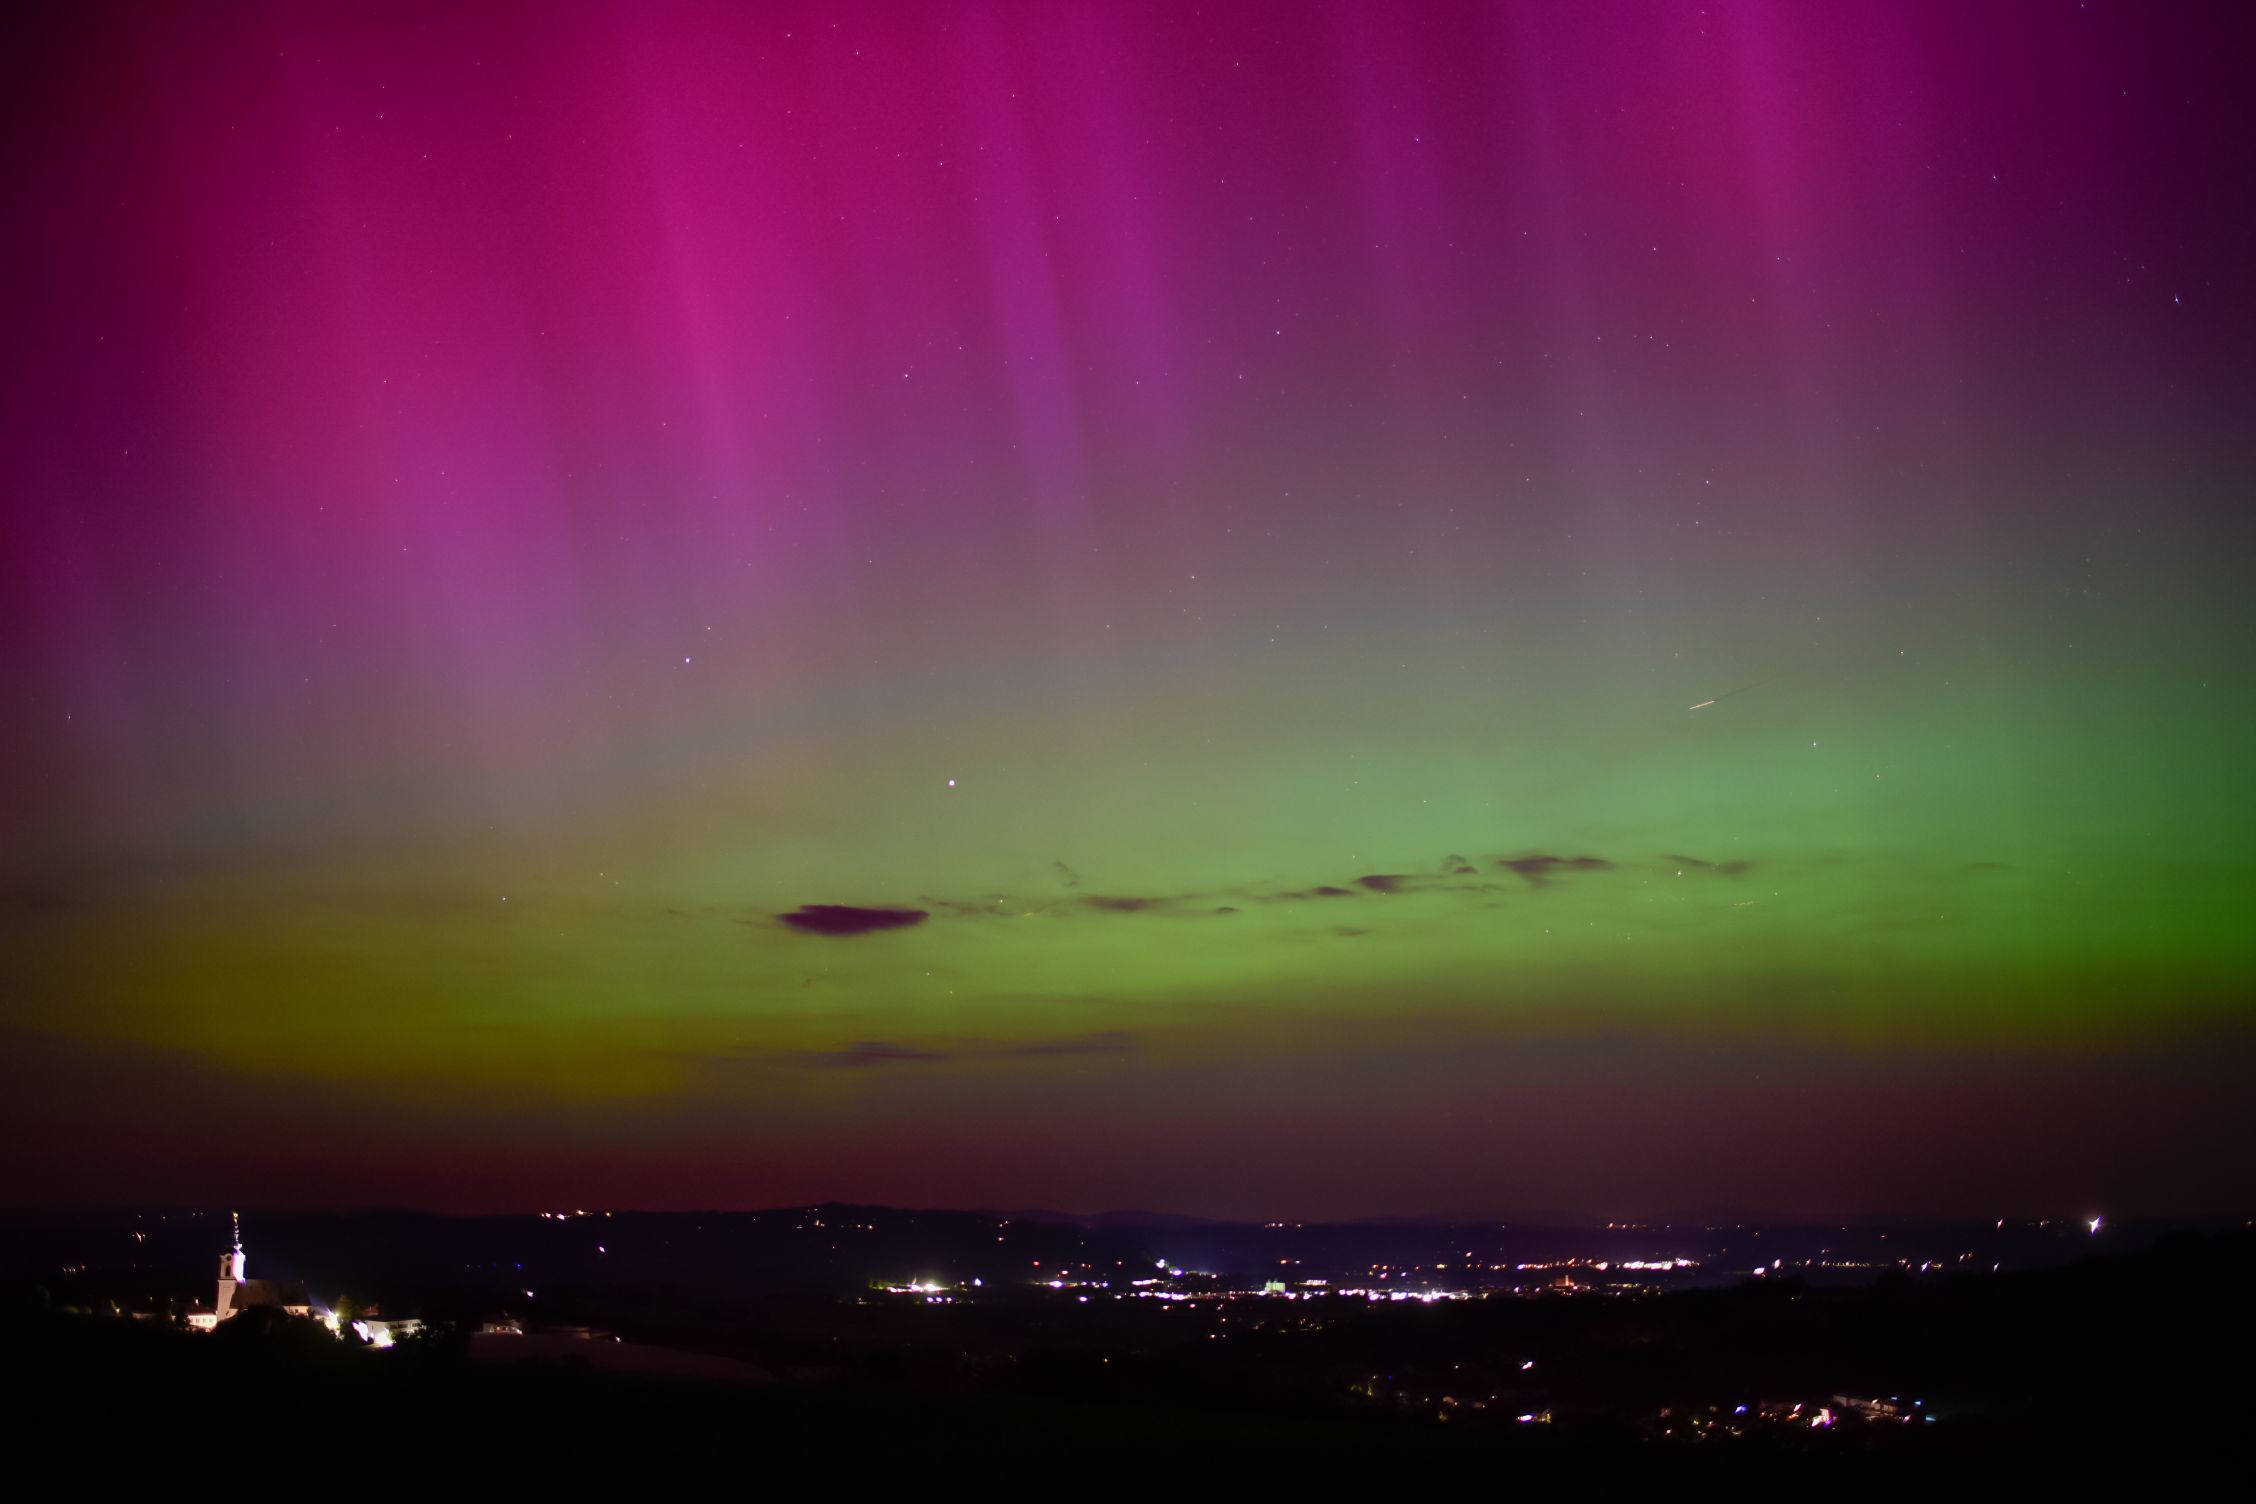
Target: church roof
[{"x": 269, "y": 1292}]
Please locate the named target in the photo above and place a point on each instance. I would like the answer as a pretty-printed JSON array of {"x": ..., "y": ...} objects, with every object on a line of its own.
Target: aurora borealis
[{"x": 1088, "y": 605}]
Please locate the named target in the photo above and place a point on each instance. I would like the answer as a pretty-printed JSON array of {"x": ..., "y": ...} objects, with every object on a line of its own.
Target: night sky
[{"x": 1102, "y": 605}]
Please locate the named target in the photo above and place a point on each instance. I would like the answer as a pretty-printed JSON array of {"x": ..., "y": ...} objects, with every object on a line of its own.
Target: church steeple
[{"x": 231, "y": 1263}]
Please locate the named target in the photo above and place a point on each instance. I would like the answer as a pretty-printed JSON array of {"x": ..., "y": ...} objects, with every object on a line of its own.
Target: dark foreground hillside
[{"x": 2112, "y": 1367}]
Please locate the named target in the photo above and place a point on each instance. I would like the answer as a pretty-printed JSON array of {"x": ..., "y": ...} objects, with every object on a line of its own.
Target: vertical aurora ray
[{"x": 1221, "y": 513}]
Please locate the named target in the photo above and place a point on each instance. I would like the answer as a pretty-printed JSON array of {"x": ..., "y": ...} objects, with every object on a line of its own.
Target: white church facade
[{"x": 237, "y": 1293}]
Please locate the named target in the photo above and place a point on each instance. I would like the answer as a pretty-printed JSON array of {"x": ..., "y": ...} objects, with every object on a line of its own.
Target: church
[{"x": 238, "y": 1294}]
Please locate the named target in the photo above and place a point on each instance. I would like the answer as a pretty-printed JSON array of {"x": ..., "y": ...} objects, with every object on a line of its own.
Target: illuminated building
[{"x": 237, "y": 1293}]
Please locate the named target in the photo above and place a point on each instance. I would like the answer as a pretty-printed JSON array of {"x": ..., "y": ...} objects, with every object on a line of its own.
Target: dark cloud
[
  {"x": 1005, "y": 906},
  {"x": 1535, "y": 868},
  {"x": 1538, "y": 867},
  {"x": 987, "y": 908},
  {"x": 846, "y": 919},
  {"x": 1721, "y": 869},
  {"x": 1347, "y": 932}
]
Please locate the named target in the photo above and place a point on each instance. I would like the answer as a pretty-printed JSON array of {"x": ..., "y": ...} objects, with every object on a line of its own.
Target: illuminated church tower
[
  {"x": 230, "y": 1271},
  {"x": 238, "y": 1292}
]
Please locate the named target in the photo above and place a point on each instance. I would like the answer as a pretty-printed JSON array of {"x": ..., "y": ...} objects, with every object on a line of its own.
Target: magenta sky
[{"x": 622, "y": 461}]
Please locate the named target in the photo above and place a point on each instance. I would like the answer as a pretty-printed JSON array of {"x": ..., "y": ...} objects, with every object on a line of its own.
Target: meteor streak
[{"x": 1742, "y": 689}]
